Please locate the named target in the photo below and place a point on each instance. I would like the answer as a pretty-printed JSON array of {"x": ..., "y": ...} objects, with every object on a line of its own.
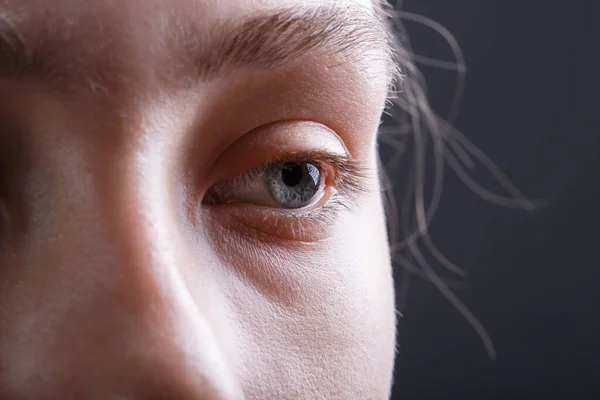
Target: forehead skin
[{"x": 112, "y": 286}]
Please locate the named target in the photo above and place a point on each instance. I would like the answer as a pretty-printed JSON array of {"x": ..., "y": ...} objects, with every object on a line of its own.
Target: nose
[{"x": 117, "y": 308}]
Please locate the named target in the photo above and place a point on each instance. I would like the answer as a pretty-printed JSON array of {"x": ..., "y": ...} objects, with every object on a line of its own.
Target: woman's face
[{"x": 189, "y": 200}]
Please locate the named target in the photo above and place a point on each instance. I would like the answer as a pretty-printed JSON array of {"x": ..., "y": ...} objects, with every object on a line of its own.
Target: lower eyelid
[{"x": 268, "y": 224}]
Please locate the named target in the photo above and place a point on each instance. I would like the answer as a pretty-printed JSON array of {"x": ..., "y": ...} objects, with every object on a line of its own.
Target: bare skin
[{"x": 135, "y": 263}]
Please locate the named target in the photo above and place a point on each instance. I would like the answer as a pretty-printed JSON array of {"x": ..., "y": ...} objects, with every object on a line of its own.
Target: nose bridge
[
  {"x": 172, "y": 345},
  {"x": 114, "y": 222},
  {"x": 142, "y": 225},
  {"x": 132, "y": 327}
]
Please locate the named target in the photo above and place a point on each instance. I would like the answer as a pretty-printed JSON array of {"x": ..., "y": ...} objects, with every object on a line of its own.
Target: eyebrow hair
[
  {"x": 265, "y": 40},
  {"x": 271, "y": 40}
]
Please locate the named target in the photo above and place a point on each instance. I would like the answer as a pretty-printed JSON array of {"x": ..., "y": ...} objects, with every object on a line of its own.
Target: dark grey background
[{"x": 531, "y": 103}]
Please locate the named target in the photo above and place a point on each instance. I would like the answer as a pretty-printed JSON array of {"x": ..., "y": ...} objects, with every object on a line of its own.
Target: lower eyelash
[{"x": 345, "y": 199}]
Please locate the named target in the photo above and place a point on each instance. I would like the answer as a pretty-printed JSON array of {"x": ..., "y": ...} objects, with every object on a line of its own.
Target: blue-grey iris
[{"x": 293, "y": 184}]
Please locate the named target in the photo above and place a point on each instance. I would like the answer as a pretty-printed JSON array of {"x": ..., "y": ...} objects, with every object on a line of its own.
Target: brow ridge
[{"x": 264, "y": 40}]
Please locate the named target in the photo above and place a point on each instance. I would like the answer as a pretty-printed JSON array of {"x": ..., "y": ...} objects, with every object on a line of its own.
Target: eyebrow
[{"x": 265, "y": 40}]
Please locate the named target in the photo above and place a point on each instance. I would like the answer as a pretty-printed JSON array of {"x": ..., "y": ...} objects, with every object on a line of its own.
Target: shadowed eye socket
[{"x": 14, "y": 168}]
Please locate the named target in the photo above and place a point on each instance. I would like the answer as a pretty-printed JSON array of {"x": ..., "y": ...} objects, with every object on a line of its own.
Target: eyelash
[{"x": 349, "y": 179}]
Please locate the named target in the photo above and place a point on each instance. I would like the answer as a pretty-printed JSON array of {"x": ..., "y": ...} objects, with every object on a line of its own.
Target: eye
[
  {"x": 286, "y": 184},
  {"x": 295, "y": 196}
]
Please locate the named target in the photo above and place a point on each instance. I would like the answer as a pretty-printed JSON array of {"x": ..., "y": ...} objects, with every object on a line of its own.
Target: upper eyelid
[{"x": 284, "y": 124}]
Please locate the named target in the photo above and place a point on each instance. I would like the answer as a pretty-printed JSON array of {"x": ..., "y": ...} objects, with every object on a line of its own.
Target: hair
[{"x": 416, "y": 126}]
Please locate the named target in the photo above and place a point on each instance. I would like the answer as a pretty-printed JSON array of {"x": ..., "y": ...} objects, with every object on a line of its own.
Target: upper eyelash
[{"x": 350, "y": 175}]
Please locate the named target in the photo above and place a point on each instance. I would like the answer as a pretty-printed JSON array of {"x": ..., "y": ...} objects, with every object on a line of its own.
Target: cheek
[{"x": 318, "y": 317}]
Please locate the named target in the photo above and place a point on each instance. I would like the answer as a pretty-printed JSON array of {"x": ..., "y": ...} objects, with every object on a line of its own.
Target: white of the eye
[{"x": 247, "y": 188}]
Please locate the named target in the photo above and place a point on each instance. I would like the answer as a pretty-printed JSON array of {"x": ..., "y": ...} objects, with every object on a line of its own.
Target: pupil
[{"x": 291, "y": 174}]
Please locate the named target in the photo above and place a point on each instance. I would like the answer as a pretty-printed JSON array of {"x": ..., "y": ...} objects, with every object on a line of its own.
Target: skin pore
[{"x": 142, "y": 253}]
